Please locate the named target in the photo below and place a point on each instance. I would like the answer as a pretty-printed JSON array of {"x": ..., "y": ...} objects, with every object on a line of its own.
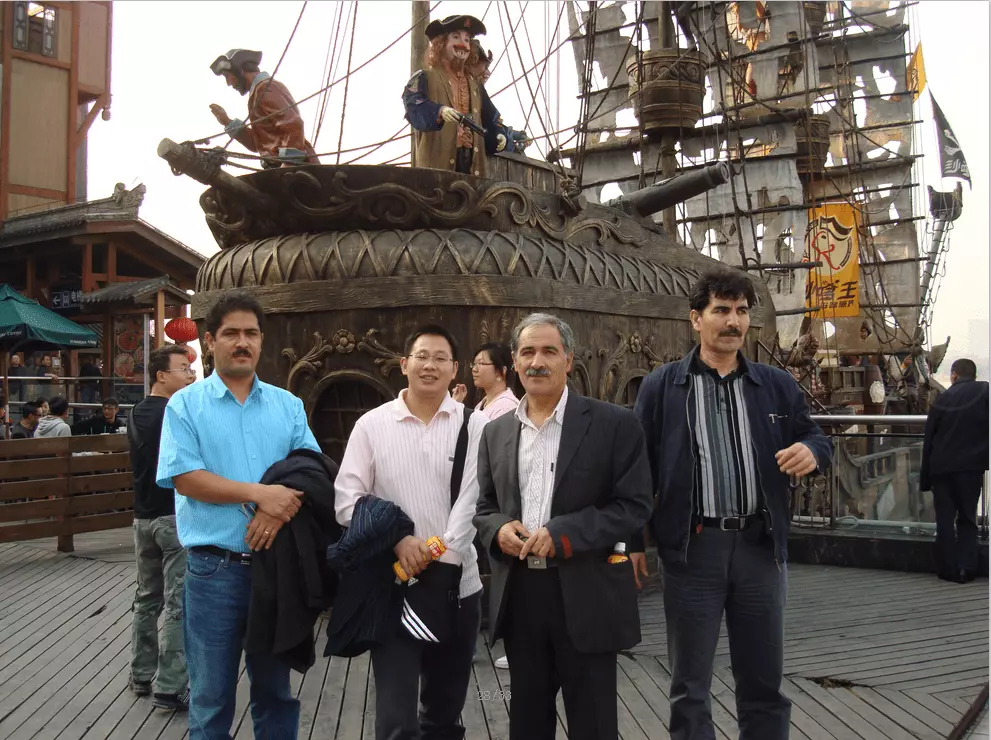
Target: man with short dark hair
[
  {"x": 954, "y": 458},
  {"x": 402, "y": 452},
  {"x": 55, "y": 424},
  {"x": 30, "y": 416},
  {"x": 106, "y": 423},
  {"x": 724, "y": 435},
  {"x": 219, "y": 438},
  {"x": 160, "y": 557}
]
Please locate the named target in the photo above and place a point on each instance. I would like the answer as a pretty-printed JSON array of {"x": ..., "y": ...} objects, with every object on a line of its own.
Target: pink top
[{"x": 501, "y": 404}]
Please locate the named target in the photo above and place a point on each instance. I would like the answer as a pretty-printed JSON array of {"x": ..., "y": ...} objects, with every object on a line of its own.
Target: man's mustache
[
  {"x": 537, "y": 372},
  {"x": 242, "y": 353},
  {"x": 730, "y": 333}
]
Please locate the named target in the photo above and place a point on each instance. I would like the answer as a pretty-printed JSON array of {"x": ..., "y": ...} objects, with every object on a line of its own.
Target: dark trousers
[
  {"x": 727, "y": 571},
  {"x": 409, "y": 672},
  {"x": 955, "y": 498},
  {"x": 542, "y": 659}
]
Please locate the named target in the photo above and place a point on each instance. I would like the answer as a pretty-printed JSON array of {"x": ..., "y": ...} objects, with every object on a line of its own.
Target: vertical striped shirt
[
  {"x": 394, "y": 456},
  {"x": 725, "y": 464},
  {"x": 539, "y": 447}
]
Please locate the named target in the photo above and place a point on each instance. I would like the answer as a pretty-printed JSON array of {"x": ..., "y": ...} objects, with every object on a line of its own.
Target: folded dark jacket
[
  {"x": 291, "y": 583},
  {"x": 369, "y": 602}
]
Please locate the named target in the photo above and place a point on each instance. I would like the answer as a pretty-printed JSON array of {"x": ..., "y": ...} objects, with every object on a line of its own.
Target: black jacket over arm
[
  {"x": 601, "y": 494},
  {"x": 290, "y": 582},
  {"x": 956, "y": 438},
  {"x": 369, "y": 601}
]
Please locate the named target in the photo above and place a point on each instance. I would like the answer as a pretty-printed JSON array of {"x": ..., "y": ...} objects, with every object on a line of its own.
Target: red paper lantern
[
  {"x": 190, "y": 353},
  {"x": 181, "y": 330}
]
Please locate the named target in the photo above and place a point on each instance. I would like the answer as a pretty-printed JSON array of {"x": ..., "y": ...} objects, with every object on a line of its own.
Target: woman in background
[{"x": 490, "y": 368}]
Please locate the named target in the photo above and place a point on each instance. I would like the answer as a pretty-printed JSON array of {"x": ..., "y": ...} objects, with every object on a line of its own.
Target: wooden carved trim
[{"x": 343, "y": 343}]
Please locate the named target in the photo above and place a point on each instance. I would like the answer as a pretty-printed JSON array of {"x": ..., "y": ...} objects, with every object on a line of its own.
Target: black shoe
[
  {"x": 140, "y": 688},
  {"x": 178, "y": 702},
  {"x": 969, "y": 575},
  {"x": 957, "y": 577}
]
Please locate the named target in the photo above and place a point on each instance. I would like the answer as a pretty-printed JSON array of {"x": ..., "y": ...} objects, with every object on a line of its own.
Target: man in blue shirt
[{"x": 218, "y": 439}]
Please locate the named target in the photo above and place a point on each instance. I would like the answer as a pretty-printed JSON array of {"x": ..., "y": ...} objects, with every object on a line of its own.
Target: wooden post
[
  {"x": 65, "y": 542},
  {"x": 89, "y": 284},
  {"x": 29, "y": 288},
  {"x": 159, "y": 319},
  {"x": 112, "y": 262},
  {"x": 108, "y": 355},
  {"x": 421, "y": 18}
]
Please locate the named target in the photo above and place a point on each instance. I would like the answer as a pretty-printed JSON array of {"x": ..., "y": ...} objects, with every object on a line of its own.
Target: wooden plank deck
[{"x": 869, "y": 655}]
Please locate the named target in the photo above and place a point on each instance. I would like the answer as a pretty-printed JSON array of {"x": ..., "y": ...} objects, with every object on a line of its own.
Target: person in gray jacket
[{"x": 55, "y": 424}]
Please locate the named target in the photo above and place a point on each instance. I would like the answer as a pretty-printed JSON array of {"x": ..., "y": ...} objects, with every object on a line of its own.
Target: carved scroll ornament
[{"x": 343, "y": 343}]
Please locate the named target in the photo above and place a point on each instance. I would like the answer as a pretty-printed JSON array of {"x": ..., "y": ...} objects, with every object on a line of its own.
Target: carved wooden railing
[{"x": 64, "y": 486}]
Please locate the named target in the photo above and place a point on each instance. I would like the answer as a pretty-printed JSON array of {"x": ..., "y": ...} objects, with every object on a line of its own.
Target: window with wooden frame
[{"x": 35, "y": 28}]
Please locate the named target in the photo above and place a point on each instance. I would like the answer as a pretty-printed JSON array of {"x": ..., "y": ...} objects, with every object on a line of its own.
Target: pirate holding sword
[{"x": 455, "y": 125}]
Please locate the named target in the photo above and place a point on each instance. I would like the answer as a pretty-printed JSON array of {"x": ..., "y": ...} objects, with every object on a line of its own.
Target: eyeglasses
[
  {"x": 481, "y": 364},
  {"x": 423, "y": 357},
  {"x": 183, "y": 370}
]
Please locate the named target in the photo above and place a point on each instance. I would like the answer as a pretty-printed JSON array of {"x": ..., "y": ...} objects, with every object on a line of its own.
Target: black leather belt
[
  {"x": 240, "y": 557},
  {"x": 730, "y": 523}
]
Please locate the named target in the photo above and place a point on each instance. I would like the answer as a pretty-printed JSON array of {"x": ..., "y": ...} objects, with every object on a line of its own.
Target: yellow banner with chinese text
[{"x": 832, "y": 239}]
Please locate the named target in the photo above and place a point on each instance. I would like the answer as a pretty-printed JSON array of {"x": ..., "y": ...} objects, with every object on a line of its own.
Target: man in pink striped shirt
[{"x": 403, "y": 452}]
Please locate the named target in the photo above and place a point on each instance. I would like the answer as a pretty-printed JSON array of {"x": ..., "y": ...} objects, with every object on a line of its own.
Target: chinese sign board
[
  {"x": 832, "y": 238},
  {"x": 66, "y": 300}
]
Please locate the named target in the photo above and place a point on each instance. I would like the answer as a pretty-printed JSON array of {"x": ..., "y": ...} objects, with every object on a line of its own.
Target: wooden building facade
[{"x": 55, "y": 81}]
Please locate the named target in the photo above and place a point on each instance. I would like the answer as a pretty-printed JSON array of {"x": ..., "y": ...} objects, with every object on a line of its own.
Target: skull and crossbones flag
[{"x": 951, "y": 160}]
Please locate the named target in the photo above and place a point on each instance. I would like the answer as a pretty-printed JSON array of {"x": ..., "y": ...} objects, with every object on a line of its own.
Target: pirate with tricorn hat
[
  {"x": 276, "y": 128},
  {"x": 455, "y": 125}
]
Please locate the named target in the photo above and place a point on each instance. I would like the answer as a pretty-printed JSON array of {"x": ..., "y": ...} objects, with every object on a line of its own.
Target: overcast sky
[{"x": 162, "y": 87}]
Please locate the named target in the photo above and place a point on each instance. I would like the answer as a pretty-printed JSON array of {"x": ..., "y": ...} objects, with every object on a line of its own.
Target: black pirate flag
[{"x": 951, "y": 160}]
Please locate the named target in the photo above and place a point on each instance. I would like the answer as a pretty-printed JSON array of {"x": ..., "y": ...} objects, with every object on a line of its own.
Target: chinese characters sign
[{"x": 832, "y": 239}]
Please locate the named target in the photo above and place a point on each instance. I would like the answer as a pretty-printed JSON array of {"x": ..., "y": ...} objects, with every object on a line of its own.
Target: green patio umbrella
[{"x": 27, "y": 325}]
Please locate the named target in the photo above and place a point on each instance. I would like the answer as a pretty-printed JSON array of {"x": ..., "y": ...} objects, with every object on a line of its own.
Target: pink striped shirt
[
  {"x": 501, "y": 404},
  {"x": 393, "y": 455}
]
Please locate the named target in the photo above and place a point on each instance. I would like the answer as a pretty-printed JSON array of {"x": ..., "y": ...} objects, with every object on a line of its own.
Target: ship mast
[{"x": 418, "y": 47}]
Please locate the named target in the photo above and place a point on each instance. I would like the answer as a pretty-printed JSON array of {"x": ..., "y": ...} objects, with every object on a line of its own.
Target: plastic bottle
[
  {"x": 618, "y": 554},
  {"x": 437, "y": 548}
]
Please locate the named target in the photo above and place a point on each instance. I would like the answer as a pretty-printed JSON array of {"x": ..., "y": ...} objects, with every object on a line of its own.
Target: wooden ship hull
[{"x": 348, "y": 260}]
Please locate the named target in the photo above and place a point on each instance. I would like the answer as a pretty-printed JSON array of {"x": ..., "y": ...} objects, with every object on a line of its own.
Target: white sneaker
[{"x": 502, "y": 662}]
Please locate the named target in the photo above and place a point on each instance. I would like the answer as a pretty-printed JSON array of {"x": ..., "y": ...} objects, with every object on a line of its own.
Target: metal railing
[{"x": 873, "y": 483}]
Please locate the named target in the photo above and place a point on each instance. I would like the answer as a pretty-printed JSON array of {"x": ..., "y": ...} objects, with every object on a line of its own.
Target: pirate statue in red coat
[
  {"x": 276, "y": 128},
  {"x": 455, "y": 125}
]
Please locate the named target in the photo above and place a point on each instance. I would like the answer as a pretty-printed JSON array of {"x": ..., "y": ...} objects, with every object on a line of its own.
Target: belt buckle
[
  {"x": 535, "y": 563},
  {"x": 737, "y": 519}
]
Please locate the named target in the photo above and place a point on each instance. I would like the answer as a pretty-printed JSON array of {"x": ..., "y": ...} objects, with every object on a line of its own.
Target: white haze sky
[{"x": 162, "y": 87}]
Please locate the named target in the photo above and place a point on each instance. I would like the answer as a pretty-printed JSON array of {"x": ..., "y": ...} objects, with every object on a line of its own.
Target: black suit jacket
[
  {"x": 602, "y": 492},
  {"x": 956, "y": 439}
]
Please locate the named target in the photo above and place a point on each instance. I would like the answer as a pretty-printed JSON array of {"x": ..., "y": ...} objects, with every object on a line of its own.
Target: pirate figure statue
[
  {"x": 276, "y": 128},
  {"x": 455, "y": 125}
]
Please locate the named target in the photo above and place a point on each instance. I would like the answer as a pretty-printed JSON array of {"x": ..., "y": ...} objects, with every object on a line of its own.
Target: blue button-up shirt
[{"x": 207, "y": 428}]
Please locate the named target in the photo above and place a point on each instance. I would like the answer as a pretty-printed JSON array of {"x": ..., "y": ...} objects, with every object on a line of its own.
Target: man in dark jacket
[
  {"x": 723, "y": 436},
  {"x": 108, "y": 423},
  {"x": 290, "y": 580},
  {"x": 954, "y": 458}
]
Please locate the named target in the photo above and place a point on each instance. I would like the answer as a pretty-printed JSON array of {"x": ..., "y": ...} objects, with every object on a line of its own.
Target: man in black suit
[
  {"x": 954, "y": 458},
  {"x": 561, "y": 482}
]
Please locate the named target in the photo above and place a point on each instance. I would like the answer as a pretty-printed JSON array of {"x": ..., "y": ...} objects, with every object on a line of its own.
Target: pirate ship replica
[{"x": 780, "y": 138}]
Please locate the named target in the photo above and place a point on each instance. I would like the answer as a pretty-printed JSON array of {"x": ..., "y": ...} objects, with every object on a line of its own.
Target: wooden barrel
[
  {"x": 812, "y": 150},
  {"x": 670, "y": 95}
]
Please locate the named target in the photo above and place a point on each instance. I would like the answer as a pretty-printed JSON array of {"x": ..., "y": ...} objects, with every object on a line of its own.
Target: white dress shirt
[
  {"x": 393, "y": 455},
  {"x": 537, "y": 462}
]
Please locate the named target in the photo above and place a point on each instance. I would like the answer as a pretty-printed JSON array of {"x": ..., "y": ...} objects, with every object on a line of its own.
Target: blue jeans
[{"x": 216, "y": 597}]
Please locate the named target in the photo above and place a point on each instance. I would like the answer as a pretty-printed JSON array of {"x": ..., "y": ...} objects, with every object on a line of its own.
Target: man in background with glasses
[
  {"x": 161, "y": 560},
  {"x": 404, "y": 452}
]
